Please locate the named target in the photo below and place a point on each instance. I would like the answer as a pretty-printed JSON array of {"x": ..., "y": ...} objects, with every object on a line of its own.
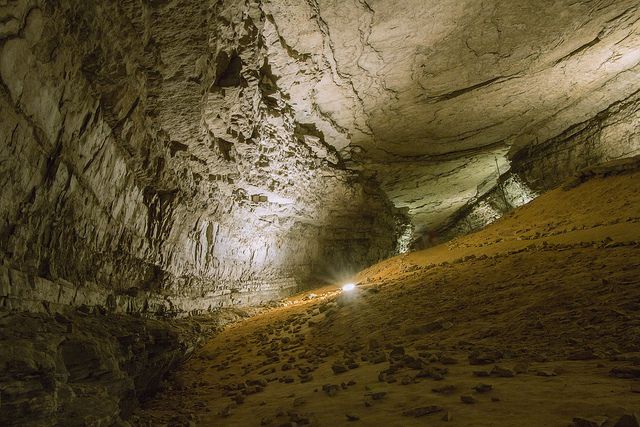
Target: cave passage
[{"x": 280, "y": 213}]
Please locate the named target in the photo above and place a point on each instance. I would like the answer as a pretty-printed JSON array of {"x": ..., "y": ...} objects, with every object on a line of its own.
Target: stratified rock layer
[{"x": 150, "y": 148}]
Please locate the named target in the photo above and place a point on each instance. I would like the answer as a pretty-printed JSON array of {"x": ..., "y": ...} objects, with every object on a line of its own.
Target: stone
[
  {"x": 499, "y": 371},
  {"x": 628, "y": 420},
  {"x": 484, "y": 357},
  {"x": 446, "y": 389},
  {"x": 483, "y": 388},
  {"x": 467, "y": 399},
  {"x": 422, "y": 411},
  {"x": 352, "y": 417},
  {"x": 589, "y": 422},
  {"x": 339, "y": 368},
  {"x": 330, "y": 389},
  {"x": 625, "y": 372}
]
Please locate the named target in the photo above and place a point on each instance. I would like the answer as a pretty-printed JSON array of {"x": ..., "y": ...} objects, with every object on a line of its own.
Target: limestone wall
[{"x": 147, "y": 147}]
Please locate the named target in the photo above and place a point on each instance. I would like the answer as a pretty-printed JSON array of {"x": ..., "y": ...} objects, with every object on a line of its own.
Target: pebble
[
  {"x": 628, "y": 420},
  {"x": 422, "y": 411},
  {"x": 446, "y": 390},
  {"x": 339, "y": 368},
  {"x": 589, "y": 422},
  {"x": 352, "y": 417},
  {"x": 498, "y": 371},
  {"x": 467, "y": 399},
  {"x": 483, "y": 388}
]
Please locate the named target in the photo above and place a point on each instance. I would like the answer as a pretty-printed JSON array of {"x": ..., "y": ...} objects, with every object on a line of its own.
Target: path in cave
[{"x": 530, "y": 322}]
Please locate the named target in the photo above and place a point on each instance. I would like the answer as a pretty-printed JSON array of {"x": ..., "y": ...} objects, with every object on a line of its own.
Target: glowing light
[{"x": 348, "y": 287}]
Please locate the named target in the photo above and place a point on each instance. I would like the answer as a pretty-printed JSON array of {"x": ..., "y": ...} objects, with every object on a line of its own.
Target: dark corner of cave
[{"x": 319, "y": 213}]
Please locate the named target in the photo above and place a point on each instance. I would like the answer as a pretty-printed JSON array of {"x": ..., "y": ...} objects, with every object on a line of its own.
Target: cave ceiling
[{"x": 431, "y": 96}]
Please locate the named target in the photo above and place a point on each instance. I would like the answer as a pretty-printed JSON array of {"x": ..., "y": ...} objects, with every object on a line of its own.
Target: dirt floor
[{"x": 533, "y": 321}]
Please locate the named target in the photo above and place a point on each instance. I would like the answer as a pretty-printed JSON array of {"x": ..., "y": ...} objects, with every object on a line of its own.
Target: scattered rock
[
  {"x": 483, "y": 388},
  {"x": 330, "y": 389},
  {"x": 484, "y": 357},
  {"x": 625, "y": 372},
  {"x": 468, "y": 399},
  {"x": 379, "y": 395},
  {"x": 299, "y": 401},
  {"x": 422, "y": 411},
  {"x": 352, "y": 417},
  {"x": 339, "y": 368},
  {"x": 589, "y": 422},
  {"x": 498, "y": 371},
  {"x": 446, "y": 389},
  {"x": 628, "y": 420}
]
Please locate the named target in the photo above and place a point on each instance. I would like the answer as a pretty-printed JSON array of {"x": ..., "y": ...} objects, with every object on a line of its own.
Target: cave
[{"x": 321, "y": 212}]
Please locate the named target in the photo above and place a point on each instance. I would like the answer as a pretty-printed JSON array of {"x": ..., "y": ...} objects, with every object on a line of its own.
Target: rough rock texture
[
  {"x": 84, "y": 369},
  {"x": 165, "y": 157},
  {"x": 232, "y": 151},
  {"x": 612, "y": 134},
  {"x": 427, "y": 95}
]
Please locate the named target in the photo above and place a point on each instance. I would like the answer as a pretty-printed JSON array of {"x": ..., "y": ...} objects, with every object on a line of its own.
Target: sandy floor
[{"x": 529, "y": 322}]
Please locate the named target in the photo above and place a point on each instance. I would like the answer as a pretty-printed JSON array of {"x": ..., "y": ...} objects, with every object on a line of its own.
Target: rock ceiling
[
  {"x": 429, "y": 96},
  {"x": 236, "y": 149}
]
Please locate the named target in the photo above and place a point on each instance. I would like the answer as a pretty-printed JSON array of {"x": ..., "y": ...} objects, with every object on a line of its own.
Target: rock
[
  {"x": 379, "y": 395},
  {"x": 422, "y": 411},
  {"x": 468, "y": 399},
  {"x": 625, "y": 372},
  {"x": 498, "y": 371},
  {"x": 483, "y": 388},
  {"x": 429, "y": 327},
  {"x": 433, "y": 373},
  {"x": 330, "y": 389},
  {"x": 339, "y": 368},
  {"x": 589, "y": 422},
  {"x": 352, "y": 417},
  {"x": 585, "y": 354},
  {"x": 628, "y": 420},
  {"x": 546, "y": 373},
  {"x": 446, "y": 390},
  {"x": 447, "y": 360},
  {"x": 484, "y": 357},
  {"x": 397, "y": 353}
]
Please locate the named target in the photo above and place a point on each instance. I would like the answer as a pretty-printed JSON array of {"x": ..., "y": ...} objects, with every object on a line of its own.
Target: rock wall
[
  {"x": 147, "y": 147},
  {"x": 88, "y": 369},
  {"x": 610, "y": 135}
]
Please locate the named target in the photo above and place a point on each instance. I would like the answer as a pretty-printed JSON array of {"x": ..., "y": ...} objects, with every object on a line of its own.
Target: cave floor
[{"x": 532, "y": 321}]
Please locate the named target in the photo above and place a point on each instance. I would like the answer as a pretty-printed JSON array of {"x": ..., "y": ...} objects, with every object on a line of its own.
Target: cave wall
[
  {"x": 149, "y": 156},
  {"x": 612, "y": 134}
]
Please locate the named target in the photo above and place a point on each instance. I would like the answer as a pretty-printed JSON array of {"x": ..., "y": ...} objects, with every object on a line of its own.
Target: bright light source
[{"x": 348, "y": 287}]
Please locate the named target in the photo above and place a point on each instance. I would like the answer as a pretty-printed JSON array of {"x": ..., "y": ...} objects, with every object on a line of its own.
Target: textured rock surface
[
  {"x": 88, "y": 369},
  {"x": 426, "y": 96},
  {"x": 164, "y": 157},
  {"x": 233, "y": 151}
]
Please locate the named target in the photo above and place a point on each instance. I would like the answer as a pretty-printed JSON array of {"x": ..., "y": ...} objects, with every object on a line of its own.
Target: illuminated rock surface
[{"x": 166, "y": 158}]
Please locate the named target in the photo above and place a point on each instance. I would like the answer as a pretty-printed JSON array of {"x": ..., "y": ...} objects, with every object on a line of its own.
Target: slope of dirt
[{"x": 533, "y": 321}]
